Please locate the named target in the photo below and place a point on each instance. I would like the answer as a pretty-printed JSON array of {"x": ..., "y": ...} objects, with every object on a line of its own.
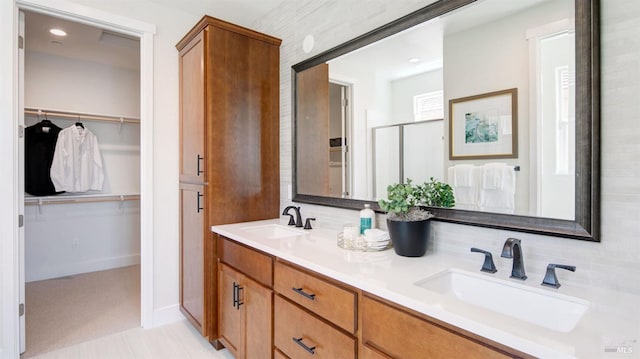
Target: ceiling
[
  {"x": 82, "y": 42},
  {"x": 425, "y": 41},
  {"x": 94, "y": 44}
]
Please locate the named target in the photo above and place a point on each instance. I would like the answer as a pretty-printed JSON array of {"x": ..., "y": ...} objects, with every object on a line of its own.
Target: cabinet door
[
  {"x": 229, "y": 309},
  {"x": 191, "y": 253},
  {"x": 258, "y": 301},
  {"x": 192, "y": 110}
]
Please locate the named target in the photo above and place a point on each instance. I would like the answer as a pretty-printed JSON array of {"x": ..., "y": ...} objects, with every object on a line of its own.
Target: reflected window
[
  {"x": 428, "y": 106},
  {"x": 565, "y": 120}
]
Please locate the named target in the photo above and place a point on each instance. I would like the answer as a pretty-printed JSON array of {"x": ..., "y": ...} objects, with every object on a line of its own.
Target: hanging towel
[
  {"x": 77, "y": 163},
  {"x": 463, "y": 175},
  {"x": 492, "y": 174},
  {"x": 463, "y": 179},
  {"x": 498, "y": 188}
]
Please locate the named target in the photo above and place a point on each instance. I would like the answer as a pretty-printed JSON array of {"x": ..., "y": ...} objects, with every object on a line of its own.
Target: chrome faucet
[
  {"x": 298, "y": 221},
  {"x": 513, "y": 249}
]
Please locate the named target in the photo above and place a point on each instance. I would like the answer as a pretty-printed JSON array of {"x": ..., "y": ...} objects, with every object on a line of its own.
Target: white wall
[
  {"x": 63, "y": 83},
  {"x": 613, "y": 263},
  {"x": 403, "y": 90},
  {"x": 67, "y": 239}
]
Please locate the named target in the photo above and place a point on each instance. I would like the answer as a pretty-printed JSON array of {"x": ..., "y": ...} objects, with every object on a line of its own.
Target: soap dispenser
[{"x": 367, "y": 218}]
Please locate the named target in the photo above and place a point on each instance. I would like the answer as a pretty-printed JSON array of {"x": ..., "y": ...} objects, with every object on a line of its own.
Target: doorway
[
  {"x": 144, "y": 33},
  {"x": 339, "y": 134}
]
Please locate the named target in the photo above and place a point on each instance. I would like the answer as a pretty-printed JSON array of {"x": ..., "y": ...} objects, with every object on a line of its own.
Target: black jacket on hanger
[{"x": 40, "y": 144}]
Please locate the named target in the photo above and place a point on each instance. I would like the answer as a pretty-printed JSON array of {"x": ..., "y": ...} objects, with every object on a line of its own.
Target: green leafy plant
[{"x": 404, "y": 199}]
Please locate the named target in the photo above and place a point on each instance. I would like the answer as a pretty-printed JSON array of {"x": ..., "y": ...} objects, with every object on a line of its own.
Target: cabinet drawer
[
  {"x": 254, "y": 264},
  {"x": 321, "y": 297},
  {"x": 390, "y": 330},
  {"x": 294, "y": 329}
]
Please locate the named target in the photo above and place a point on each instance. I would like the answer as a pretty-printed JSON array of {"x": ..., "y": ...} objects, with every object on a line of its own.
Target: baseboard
[
  {"x": 67, "y": 269},
  {"x": 166, "y": 315}
]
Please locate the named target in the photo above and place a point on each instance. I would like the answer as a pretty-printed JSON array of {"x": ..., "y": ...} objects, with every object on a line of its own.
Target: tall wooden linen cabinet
[{"x": 229, "y": 149}]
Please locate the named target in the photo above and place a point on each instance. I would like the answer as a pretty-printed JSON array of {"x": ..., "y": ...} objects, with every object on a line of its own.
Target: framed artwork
[{"x": 484, "y": 126}]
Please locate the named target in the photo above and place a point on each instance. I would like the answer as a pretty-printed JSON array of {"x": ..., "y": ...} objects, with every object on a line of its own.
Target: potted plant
[{"x": 407, "y": 222}]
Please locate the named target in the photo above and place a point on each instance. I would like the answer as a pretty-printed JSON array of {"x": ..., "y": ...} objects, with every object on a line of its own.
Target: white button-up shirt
[{"x": 77, "y": 164}]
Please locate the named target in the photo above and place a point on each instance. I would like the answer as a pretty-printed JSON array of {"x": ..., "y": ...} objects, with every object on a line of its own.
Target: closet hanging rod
[
  {"x": 81, "y": 116},
  {"x": 80, "y": 199}
]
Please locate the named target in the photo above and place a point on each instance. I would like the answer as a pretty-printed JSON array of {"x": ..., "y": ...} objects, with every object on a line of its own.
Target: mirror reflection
[{"x": 408, "y": 105}]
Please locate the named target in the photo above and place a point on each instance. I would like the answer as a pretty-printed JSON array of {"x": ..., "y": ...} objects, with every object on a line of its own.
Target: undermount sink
[
  {"x": 541, "y": 307},
  {"x": 274, "y": 231}
]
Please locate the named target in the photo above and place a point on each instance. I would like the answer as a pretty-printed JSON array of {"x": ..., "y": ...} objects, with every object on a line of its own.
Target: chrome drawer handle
[
  {"x": 298, "y": 341},
  {"x": 302, "y": 293}
]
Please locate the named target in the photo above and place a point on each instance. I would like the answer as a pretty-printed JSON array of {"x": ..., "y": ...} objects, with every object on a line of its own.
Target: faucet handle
[
  {"x": 307, "y": 223},
  {"x": 488, "y": 265},
  {"x": 550, "y": 278}
]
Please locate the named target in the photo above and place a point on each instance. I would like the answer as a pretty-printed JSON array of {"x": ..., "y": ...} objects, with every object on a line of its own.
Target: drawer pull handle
[
  {"x": 298, "y": 341},
  {"x": 302, "y": 293}
]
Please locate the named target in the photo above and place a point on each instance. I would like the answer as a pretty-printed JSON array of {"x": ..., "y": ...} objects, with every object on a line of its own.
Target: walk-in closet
[{"x": 81, "y": 172}]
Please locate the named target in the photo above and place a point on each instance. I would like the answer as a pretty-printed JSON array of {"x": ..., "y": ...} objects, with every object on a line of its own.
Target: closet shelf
[
  {"x": 80, "y": 116},
  {"x": 81, "y": 198}
]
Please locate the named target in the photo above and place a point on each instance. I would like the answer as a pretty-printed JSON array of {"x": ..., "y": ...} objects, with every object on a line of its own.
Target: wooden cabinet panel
[
  {"x": 258, "y": 319},
  {"x": 256, "y": 265},
  {"x": 292, "y": 324},
  {"x": 323, "y": 298},
  {"x": 192, "y": 107},
  {"x": 278, "y": 355},
  {"x": 367, "y": 352},
  {"x": 229, "y": 317},
  {"x": 401, "y": 335},
  {"x": 191, "y": 246}
]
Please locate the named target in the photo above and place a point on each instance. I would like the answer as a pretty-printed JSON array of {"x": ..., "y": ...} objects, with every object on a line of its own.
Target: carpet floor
[{"x": 65, "y": 311}]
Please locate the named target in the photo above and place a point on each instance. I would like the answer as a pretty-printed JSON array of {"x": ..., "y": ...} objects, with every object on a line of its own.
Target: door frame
[{"x": 9, "y": 112}]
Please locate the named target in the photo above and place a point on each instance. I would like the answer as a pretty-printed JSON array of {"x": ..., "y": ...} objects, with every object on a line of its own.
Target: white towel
[
  {"x": 498, "y": 188},
  {"x": 492, "y": 175},
  {"x": 464, "y": 181},
  {"x": 463, "y": 176}
]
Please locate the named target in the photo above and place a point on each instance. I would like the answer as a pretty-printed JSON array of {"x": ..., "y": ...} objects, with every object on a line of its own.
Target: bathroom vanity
[{"x": 332, "y": 302}]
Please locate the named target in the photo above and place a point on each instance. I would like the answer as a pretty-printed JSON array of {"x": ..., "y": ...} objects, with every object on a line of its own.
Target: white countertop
[{"x": 612, "y": 321}]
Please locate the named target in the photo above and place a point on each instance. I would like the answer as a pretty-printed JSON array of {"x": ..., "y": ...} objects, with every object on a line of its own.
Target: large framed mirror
[{"x": 392, "y": 103}]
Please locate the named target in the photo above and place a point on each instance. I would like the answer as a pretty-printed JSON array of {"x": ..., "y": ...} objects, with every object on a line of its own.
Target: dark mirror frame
[{"x": 586, "y": 225}]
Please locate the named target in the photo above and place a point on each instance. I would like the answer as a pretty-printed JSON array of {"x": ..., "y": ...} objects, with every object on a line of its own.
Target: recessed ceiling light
[
  {"x": 413, "y": 60},
  {"x": 58, "y": 32}
]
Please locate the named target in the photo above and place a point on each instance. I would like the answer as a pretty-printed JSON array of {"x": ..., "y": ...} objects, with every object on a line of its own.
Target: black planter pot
[{"x": 409, "y": 238}]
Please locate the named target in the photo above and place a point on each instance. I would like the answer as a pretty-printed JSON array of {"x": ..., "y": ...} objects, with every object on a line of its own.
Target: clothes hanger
[
  {"x": 45, "y": 121},
  {"x": 79, "y": 124}
]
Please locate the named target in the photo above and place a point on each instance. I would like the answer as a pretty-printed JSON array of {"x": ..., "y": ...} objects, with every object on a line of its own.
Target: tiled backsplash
[{"x": 615, "y": 262}]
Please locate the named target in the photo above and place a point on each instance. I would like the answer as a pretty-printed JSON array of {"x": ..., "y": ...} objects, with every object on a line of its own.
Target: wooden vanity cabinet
[
  {"x": 392, "y": 331},
  {"x": 245, "y": 300},
  {"x": 229, "y": 149}
]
